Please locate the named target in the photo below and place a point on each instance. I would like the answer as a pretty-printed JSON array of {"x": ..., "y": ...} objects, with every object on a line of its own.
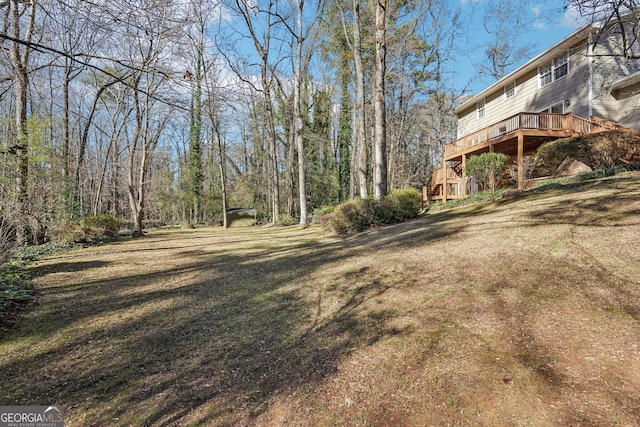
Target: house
[{"x": 582, "y": 84}]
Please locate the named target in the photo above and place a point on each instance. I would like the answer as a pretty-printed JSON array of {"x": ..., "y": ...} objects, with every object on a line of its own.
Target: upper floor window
[
  {"x": 552, "y": 71},
  {"x": 480, "y": 108},
  {"x": 560, "y": 66},
  {"x": 509, "y": 90}
]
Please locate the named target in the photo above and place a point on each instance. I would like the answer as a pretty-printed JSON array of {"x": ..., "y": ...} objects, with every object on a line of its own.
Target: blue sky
[{"x": 547, "y": 24}]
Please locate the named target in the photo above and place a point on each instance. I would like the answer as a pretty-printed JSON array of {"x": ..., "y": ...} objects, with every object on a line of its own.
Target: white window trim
[
  {"x": 506, "y": 95},
  {"x": 481, "y": 109},
  {"x": 553, "y": 65}
]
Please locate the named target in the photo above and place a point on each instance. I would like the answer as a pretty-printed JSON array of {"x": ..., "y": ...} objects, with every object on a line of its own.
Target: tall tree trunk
[
  {"x": 223, "y": 180},
  {"x": 248, "y": 10},
  {"x": 291, "y": 205},
  {"x": 20, "y": 62},
  {"x": 66, "y": 138},
  {"x": 360, "y": 142},
  {"x": 195, "y": 143},
  {"x": 298, "y": 118},
  {"x": 345, "y": 170},
  {"x": 272, "y": 147},
  {"x": 133, "y": 189},
  {"x": 379, "y": 108}
]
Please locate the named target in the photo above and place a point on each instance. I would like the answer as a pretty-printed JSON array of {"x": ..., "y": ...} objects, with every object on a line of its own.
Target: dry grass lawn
[{"x": 517, "y": 313}]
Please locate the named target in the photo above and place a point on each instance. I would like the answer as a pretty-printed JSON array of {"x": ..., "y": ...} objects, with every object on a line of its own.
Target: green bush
[
  {"x": 60, "y": 233},
  {"x": 100, "y": 227},
  {"x": 15, "y": 289},
  {"x": 286, "y": 220},
  {"x": 487, "y": 169},
  {"x": 7, "y": 237},
  {"x": 348, "y": 218},
  {"x": 404, "y": 203},
  {"x": 360, "y": 214},
  {"x": 551, "y": 154},
  {"x": 319, "y": 213}
]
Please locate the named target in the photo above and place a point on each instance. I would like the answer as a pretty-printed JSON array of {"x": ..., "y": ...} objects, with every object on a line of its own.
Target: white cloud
[
  {"x": 538, "y": 15},
  {"x": 572, "y": 18}
]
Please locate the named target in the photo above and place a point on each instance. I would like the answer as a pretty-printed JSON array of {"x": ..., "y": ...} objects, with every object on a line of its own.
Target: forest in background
[{"x": 170, "y": 111}]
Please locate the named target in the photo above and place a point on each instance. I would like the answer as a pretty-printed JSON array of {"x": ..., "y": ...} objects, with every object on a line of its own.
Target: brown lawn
[{"x": 522, "y": 312}]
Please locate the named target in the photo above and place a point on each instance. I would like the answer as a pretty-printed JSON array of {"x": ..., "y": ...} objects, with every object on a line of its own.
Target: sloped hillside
[{"x": 518, "y": 312}]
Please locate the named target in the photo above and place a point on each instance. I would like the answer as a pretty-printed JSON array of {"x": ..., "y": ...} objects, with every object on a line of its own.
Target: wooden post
[
  {"x": 444, "y": 180},
  {"x": 464, "y": 176},
  {"x": 520, "y": 156},
  {"x": 569, "y": 122},
  {"x": 425, "y": 195}
]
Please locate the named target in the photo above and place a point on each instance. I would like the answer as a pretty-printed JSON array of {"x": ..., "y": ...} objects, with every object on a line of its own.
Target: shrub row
[
  {"x": 358, "y": 215},
  {"x": 93, "y": 228}
]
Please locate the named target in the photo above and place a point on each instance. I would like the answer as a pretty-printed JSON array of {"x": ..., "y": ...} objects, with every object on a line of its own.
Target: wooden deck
[{"x": 516, "y": 135}]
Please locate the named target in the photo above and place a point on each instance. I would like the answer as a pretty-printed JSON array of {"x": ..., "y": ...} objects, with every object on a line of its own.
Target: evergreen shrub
[
  {"x": 320, "y": 213},
  {"x": 358, "y": 215},
  {"x": 348, "y": 218},
  {"x": 286, "y": 220},
  {"x": 404, "y": 203},
  {"x": 99, "y": 227}
]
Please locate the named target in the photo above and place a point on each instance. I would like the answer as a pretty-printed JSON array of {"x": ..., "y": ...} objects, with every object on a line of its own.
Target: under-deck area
[{"x": 516, "y": 136}]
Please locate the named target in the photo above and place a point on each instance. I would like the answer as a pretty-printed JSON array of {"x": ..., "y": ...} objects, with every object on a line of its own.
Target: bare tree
[
  {"x": 19, "y": 20},
  {"x": 149, "y": 34},
  {"x": 303, "y": 33},
  {"x": 249, "y": 13},
  {"x": 379, "y": 107},
  {"x": 619, "y": 16},
  {"x": 298, "y": 130},
  {"x": 359, "y": 154},
  {"x": 505, "y": 21}
]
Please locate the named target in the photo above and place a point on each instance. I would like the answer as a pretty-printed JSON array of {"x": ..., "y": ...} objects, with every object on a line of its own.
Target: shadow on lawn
[
  {"x": 162, "y": 347},
  {"x": 213, "y": 339}
]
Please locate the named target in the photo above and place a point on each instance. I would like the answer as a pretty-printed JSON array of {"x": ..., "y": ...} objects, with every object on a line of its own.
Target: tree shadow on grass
[
  {"x": 205, "y": 341},
  {"x": 214, "y": 338},
  {"x": 65, "y": 267}
]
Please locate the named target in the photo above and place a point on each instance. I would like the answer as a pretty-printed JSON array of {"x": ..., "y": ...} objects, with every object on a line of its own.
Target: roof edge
[{"x": 579, "y": 34}]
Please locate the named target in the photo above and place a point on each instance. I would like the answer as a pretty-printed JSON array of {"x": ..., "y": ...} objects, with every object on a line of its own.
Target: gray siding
[{"x": 621, "y": 106}]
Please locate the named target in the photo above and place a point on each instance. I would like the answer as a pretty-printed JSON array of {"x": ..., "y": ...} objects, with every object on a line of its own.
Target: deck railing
[
  {"x": 453, "y": 179},
  {"x": 436, "y": 177},
  {"x": 529, "y": 121}
]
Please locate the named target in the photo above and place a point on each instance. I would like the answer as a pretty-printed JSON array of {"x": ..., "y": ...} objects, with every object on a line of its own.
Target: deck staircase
[
  {"x": 457, "y": 167},
  {"x": 533, "y": 129}
]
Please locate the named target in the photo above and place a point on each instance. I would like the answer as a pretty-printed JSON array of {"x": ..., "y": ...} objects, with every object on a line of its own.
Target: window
[
  {"x": 554, "y": 70},
  {"x": 545, "y": 74},
  {"x": 509, "y": 90},
  {"x": 560, "y": 66},
  {"x": 480, "y": 109},
  {"x": 557, "y": 108}
]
